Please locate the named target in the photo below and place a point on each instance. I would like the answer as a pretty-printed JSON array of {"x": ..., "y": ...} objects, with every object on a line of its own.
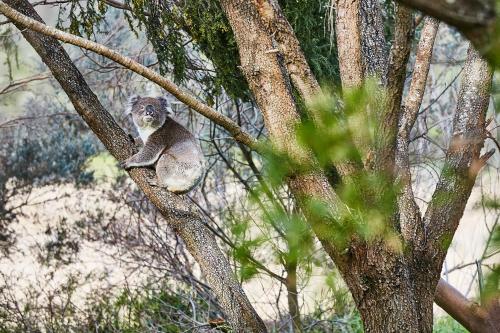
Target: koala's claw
[
  {"x": 153, "y": 182},
  {"x": 124, "y": 165}
]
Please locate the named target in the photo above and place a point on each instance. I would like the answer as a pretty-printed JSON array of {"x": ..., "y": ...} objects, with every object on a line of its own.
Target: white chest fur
[{"x": 145, "y": 132}]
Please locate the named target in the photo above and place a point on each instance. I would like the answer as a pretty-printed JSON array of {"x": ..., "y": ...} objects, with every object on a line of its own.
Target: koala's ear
[
  {"x": 134, "y": 99},
  {"x": 131, "y": 102},
  {"x": 164, "y": 105}
]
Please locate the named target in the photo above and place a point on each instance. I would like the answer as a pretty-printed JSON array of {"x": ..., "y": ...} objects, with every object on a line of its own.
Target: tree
[{"x": 392, "y": 273}]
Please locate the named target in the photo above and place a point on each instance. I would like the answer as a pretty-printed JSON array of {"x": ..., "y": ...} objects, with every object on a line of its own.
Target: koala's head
[{"x": 148, "y": 112}]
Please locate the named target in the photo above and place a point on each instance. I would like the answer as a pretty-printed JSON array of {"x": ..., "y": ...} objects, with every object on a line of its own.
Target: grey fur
[{"x": 167, "y": 144}]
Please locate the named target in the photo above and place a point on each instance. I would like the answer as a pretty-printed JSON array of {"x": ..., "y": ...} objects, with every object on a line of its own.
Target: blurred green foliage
[
  {"x": 369, "y": 195},
  {"x": 446, "y": 324},
  {"x": 103, "y": 167}
]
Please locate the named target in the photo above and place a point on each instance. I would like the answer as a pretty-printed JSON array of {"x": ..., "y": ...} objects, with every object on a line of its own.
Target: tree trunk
[
  {"x": 389, "y": 289},
  {"x": 396, "y": 309}
]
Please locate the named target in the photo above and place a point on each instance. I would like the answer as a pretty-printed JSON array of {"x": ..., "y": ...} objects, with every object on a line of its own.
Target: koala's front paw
[{"x": 125, "y": 164}]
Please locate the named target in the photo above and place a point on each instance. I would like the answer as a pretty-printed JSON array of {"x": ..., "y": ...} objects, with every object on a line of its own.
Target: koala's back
[{"x": 181, "y": 164}]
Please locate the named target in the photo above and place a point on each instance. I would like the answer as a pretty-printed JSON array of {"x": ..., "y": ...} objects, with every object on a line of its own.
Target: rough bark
[
  {"x": 395, "y": 78},
  {"x": 272, "y": 91},
  {"x": 295, "y": 61},
  {"x": 476, "y": 19},
  {"x": 296, "y": 64},
  {"x": 373, "y": 42},
  {"x": 348, "y": 33},
  {"x": 180, "y": 215},
  {"x": 379, "y": 279},
  {"x": 136, "y": 67},
  {"x": 383, "y": 286},
  {"x": 348, "y": 36},
  {"x": 463, "y": 161}
]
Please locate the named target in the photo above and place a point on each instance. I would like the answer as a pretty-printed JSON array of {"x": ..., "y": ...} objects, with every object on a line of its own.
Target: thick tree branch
[
  {"x": 182, "y": 216},
  {"x": 462, "y": 162},
  {"x": 348, "y": 36},
  {"x": 476, "y": 19},
  {"x": 395, "y": 78},
  {"x": 410, "y": 218},
  {"x": 348, "y": 32},
  {"x": 471, "y": 315},
  {"x": 142, "y": 70},
  {"x": 296, "y": 64},
  {"x": 373, "y": 39},
  {"x": 295, "y": 61}
]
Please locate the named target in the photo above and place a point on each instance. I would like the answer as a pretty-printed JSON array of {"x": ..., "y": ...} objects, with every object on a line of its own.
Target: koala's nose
[{"x": 149, "y": 110}]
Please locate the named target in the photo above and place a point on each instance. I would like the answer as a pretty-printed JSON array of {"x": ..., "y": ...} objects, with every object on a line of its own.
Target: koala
[{"x": 166, "y": 143}]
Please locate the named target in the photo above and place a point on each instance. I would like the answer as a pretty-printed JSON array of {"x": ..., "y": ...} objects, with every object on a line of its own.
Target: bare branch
[
  {"x": 180, "y": 215},
  {"x": 19, "y": 83},
  {"x": 470, "y": 314},
  {"x": 395, "y": 78},
  {"x": 410, "y": 218},
  {"x": 462, "y": 162},
  {"x": 142, "y": 70}
]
